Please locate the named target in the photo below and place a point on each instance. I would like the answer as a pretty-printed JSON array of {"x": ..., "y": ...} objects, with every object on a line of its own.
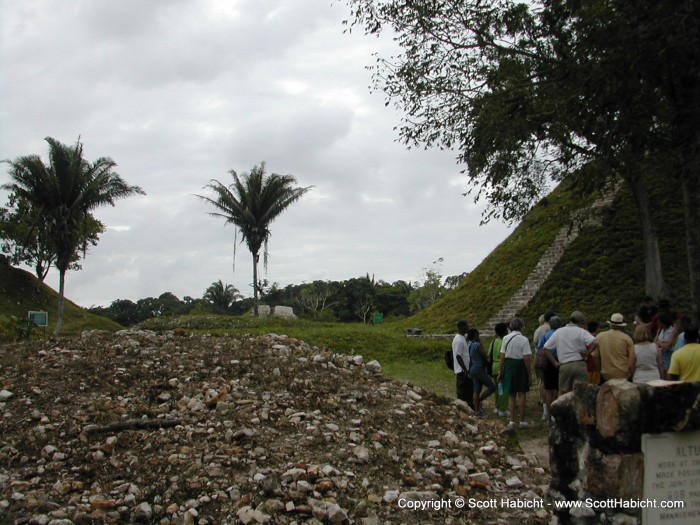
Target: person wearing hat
[
  {"x": 573, "y": 344},
  {"x": 613, "y": 350},
  {"x": 460, "y": 355}
]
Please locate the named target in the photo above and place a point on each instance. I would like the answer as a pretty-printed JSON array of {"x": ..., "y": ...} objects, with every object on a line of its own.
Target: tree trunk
[
  {"x": 61, "y": 301},
  {"x": 690, "y": 184},
  {"x": 654, "y": 284},
  {"x": 41, "y": 271},
  {"x": 255, "y": 284}
]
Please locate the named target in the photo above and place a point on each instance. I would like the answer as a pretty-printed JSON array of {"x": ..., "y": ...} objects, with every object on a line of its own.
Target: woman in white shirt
[
  {"x": 648, "y": 362},
  {"x": 514, "y": 372}
]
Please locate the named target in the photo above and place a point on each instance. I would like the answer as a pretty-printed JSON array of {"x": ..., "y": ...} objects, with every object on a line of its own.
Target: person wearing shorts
[
  {"x": 479, "y": 371},
  {"x": 514, "y": 371}
]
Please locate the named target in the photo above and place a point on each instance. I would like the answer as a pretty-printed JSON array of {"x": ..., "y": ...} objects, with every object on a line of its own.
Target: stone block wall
[{"x": 596, "y": 443}]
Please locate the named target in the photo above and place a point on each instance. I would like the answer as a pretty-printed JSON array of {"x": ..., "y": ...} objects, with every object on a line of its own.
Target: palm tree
[
  {"x": 63, "y": 194},
  {"x": 221, "y": 296},
  {"x": 251, "y": 203}
]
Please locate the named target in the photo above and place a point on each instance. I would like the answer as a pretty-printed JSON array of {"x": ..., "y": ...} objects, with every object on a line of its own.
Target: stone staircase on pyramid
[{"x": 591, "y": 215}]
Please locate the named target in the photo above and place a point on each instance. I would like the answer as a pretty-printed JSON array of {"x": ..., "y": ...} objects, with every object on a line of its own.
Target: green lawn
[{"x": 431, "y": 375}]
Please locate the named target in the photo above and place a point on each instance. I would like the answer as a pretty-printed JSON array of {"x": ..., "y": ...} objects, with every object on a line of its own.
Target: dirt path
[{"x": 538, "y": 446}]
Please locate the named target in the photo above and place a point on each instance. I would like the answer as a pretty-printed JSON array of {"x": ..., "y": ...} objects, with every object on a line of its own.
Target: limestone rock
[
  {"x": 249, "y": 515},
  {"x": 514, "y": 482},
  {"x": 5, "y": 395},
  {"x": 374, "y": 366},
  {"x": 143, "y": 512},
  {"x": 328, "y": 512}
]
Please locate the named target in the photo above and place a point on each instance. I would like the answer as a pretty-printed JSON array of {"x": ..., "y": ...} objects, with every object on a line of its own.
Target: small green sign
[
  {"x": 39, "y": 318},
  {"x": 378, "y": 318}
]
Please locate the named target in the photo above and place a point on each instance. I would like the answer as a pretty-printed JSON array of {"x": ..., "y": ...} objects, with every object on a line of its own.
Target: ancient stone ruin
[
  {"x": 275, "y": 311},
  {"x": 621, "y": 451}
]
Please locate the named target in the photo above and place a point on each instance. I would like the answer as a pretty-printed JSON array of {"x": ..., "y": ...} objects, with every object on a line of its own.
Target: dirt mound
[{"x": 169, "y": 428}]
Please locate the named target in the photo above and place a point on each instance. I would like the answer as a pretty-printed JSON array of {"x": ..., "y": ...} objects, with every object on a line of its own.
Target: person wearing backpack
[{"x": 460, "y": 355}]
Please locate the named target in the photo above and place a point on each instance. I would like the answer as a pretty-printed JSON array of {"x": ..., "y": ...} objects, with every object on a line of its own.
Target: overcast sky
[{"x": 180, "y": 92}]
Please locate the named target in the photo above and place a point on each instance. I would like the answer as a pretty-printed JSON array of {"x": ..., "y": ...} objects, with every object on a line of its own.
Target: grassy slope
[{"x": 20, "y": 292}]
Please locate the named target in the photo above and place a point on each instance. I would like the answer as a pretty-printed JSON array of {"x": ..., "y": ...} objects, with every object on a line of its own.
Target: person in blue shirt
[{"x": 479, "y": 370}]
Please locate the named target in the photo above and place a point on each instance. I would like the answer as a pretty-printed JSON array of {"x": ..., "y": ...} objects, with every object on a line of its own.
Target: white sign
[{"x": 672, "y": 478}]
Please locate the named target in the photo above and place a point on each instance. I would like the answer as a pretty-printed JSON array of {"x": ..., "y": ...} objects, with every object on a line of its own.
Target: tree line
[{"x": 352, "y": 300}]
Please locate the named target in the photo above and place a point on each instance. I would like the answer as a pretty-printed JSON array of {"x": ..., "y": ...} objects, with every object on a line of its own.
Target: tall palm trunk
[
  {"x": 61, "y": 302},
  {"x": 256, "y": 258}
]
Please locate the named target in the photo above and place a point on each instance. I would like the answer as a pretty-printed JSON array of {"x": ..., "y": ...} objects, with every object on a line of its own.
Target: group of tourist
[
  {"x": 504, "y": 369},
  {"x": 659, "y": 345}
]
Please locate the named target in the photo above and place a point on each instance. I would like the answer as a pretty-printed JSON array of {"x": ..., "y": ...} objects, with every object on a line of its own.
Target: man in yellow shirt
[
  {"x": 614, "y": 350},
  {"x": 685, "y": 362}
]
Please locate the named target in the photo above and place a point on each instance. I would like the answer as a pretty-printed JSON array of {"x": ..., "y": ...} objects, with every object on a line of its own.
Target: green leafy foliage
[
  {"x": 26, "y": 236},
  {"x": 221, "y": 296}
]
